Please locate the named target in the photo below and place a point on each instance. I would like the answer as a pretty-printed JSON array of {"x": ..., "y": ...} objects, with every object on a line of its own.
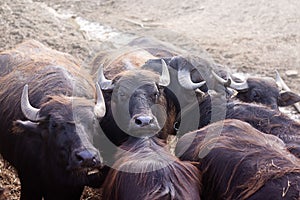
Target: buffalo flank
[{"x": 239, "y": 162}]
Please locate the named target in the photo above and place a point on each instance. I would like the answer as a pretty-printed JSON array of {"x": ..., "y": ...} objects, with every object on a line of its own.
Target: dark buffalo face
[
  {"x": 67, "y": 126},
  {"x": 133, "y": 103},
  {"x": 261, "y": 90},
  {"x": 137, "y": 102},
  {"x": 265, "y": 91}
]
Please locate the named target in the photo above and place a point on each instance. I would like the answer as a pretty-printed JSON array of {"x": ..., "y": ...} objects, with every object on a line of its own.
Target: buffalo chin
[
  {"x": 85, "y": 171},
  {"x": 146, "y": 131}
]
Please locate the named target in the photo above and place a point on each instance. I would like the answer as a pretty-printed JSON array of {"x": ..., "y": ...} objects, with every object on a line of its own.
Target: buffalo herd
[{"x": 64, "y": 126}]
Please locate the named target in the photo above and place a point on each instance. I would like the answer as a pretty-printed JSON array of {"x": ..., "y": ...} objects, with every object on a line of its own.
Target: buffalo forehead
[{"x": 132, "y": 80}]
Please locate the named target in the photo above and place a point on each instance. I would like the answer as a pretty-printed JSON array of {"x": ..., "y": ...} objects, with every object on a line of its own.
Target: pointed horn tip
[
  {"x": 100, "y": 108},
  {"x": 277, "y": 73},
  {"x": 28, "y": 110},
  {"x": 104, "y": 83},
  {"x": 165, "y": 76},
  {"x": 226, "y": 83},
  {"x": 25, "y": 89}
]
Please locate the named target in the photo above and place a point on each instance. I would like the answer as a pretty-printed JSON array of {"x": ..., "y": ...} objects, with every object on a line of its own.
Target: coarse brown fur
[
  {"x": 268, "y": 121},
  {"x": 261, "y": 117},
  {"x": 117, "y": 61},
  {"x": 240, "y": 162},
  {"x": 145, "y": 169},
  {"x": 33, "y": 53}
]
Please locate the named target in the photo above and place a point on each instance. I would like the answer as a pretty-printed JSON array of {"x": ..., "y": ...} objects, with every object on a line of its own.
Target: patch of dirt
[{"x": 253, "y": 37}]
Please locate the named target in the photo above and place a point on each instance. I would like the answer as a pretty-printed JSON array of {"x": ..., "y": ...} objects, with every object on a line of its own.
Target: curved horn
[
  {"x": 165, "y": 76},
  {"x": 100, "y": 108},
  {"x": 184, "y": 78},
  {"x": 231, "y": 83},
  {"x": 281, "y": 84},
  {"x": 103, "y": 82},
  {"x": 28, "y": 110},
  {"x": 226, "y": 83},
  {"x": 238, "y": 86}
]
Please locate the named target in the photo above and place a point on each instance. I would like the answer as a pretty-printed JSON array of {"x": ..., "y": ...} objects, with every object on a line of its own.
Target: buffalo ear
[
  {"x": 287, "y": 98},
  {"x": 28, "y": 126}
]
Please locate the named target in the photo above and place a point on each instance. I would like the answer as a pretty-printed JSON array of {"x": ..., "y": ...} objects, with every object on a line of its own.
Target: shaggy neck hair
[{"x": 146, "y": 170}]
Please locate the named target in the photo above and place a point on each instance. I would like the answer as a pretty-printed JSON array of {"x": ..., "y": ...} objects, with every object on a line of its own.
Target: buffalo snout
[
  {"x": 143, "y": 125},
  {"x": 143, "y": 120},
  {"x": 86, "y": 158}
]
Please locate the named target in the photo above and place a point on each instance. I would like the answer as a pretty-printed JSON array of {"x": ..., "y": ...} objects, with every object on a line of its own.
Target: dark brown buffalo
[
  {"x": 136, "y": 106},
  {"x": 239, "y": 162},
  {"x": 145, "y": 53},
  {"x": 49, "y": 118},
  {"x": 145, "y": 169},
  {"x": 265, "y": 90}
]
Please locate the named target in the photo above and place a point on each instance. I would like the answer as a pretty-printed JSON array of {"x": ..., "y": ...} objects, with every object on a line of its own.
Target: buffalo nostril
[
  {"x": 138, "y": 121},
  {"x": 86, "y": 158},
  {"x": 144, "y": 120}
]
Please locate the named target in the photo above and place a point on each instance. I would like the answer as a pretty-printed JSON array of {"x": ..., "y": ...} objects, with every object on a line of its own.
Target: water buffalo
[
  {"x": 128, "y": 80},
  {"x": 49, "y": 117},
  {"x": 264, "y": 90},
  {"x": 145, "y": 169},
  {"x": 239, "y": 162},
  {"x": 134, "y": 100}
]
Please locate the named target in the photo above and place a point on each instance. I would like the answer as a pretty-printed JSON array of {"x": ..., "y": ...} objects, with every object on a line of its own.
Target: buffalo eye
[
  {"x": 53, "y": 125},
  {"x": 255, "y": 95}
]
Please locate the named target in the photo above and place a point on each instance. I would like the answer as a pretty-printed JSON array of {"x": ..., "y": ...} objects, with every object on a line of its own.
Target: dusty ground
[{"x": 254, "y": 36}]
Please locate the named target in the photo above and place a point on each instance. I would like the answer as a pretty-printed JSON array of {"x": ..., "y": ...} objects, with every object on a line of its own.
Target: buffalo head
[
  {"x": 67, "y": 126},
  {"x": 137, "y": 99},
  {"x": 264, "y": 90}
]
